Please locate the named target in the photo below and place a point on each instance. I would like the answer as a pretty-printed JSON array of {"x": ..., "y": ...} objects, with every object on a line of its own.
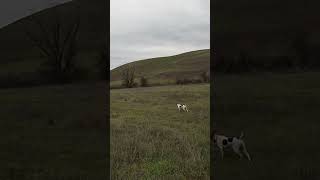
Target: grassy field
[
  {"x": 150, "y": 139},
  {"x": 74, "y": 146},
  {"x": 279, "y": 114}
]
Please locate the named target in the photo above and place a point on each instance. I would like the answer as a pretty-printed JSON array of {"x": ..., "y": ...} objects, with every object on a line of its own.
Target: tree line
[
  {"x": 129, "y": 77},
  {"x": 301, "y": 56}
]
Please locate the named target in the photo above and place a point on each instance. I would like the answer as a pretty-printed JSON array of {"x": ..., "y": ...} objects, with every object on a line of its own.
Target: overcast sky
[
  {"x": 12, "y": 10},
  {"x": 151, "y": 28}
]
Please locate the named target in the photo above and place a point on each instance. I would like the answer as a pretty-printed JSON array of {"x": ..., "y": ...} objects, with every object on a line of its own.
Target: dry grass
[
  {"x": 73, "y": 147},
  {"x": 150, "y": 139},
  {"x": 279, "y": 114}
]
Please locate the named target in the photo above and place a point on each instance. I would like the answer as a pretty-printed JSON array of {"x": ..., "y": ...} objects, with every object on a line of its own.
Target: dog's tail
[{"x": 241, "y": 135}]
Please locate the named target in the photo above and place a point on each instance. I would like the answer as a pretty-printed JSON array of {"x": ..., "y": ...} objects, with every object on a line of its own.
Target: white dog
[
  {"x": 236, "y": 143},
  {"x": 183, "y": 107}
]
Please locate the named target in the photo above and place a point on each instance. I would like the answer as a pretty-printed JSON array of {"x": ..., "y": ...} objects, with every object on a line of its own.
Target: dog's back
[
  {"x": 237, "y": 143},
  {"x": 224, "y": 141}
]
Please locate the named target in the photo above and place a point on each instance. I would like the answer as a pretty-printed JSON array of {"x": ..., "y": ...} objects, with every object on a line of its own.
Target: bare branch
[
  {"x": 56, "y": 44},
  {"x": 37, "y": 43}
]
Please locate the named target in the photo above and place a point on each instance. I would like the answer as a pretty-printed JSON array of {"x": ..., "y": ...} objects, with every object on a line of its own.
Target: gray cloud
[
  {"x": 12, "y": 10},
  {"x": 139, "y": 28},
  {"x": 150, "y": 28}
]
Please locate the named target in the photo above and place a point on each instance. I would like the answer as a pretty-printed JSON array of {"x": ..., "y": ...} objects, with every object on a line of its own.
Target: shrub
[
  {"x": 143, "y": 82},
  {"x": 185, "y": 81},
  {"x": 205, "y": 77}
]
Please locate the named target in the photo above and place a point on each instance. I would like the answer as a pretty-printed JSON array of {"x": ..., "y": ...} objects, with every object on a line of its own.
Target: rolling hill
[
  {"x": 165, "y": 70},
  {"x": 19, "y": 56}
]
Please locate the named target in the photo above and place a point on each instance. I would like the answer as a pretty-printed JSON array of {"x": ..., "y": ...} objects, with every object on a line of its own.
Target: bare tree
[
  {"x": 57, "y": 42},
  {"x": 128, "y": 76}
]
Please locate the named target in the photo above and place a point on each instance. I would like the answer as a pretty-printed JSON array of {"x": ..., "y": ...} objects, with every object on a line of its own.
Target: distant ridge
[{"x": 168, "y": 69}]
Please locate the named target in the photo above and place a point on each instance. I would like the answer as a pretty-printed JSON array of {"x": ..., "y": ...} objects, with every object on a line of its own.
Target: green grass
[
  {"x": 279, "y": 116},
  {"x": 71, "y": 148},
  {"x": 150, "y": 139}
]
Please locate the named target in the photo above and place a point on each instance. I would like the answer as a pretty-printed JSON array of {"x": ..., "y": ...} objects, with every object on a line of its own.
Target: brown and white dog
[{"x": 236, "y": 143}]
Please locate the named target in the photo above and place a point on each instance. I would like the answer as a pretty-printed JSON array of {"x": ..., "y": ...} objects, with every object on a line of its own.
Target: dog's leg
[
  {"x": 246, "y": 152},
  {"x": 222, "y": 153},
  {"x": 237, "y": 151}
]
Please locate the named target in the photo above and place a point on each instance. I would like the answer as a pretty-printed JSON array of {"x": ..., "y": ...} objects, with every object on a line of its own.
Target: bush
[
  {"x": 196, "y": 81},
  {"x": 186, "y": 81},
  {"x": 143, "y": 82},
  {"x": 205, "y": 77}
]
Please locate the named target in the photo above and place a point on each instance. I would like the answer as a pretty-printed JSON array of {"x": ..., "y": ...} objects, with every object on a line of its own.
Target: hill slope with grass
[
  {"x": 164, "y": 70},
  {"x": 18, "y": 55}
]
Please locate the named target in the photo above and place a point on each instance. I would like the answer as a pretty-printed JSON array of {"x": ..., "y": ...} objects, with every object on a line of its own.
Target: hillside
[
  {"x": 18, "y": 55},
  {"x": 168, "y": 69}
]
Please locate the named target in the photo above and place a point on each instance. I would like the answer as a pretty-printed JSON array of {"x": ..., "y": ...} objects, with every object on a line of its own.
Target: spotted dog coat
[
  {"x": 236, "y": 143},
  {"x": 185, "y": 108},
  {"x": 182, "y": 107}
]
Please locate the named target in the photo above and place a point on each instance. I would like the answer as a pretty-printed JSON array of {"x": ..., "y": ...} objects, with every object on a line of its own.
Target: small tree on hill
[
  {"x": 57, "y": 40},
  {"x": 128, "y": 76}
]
